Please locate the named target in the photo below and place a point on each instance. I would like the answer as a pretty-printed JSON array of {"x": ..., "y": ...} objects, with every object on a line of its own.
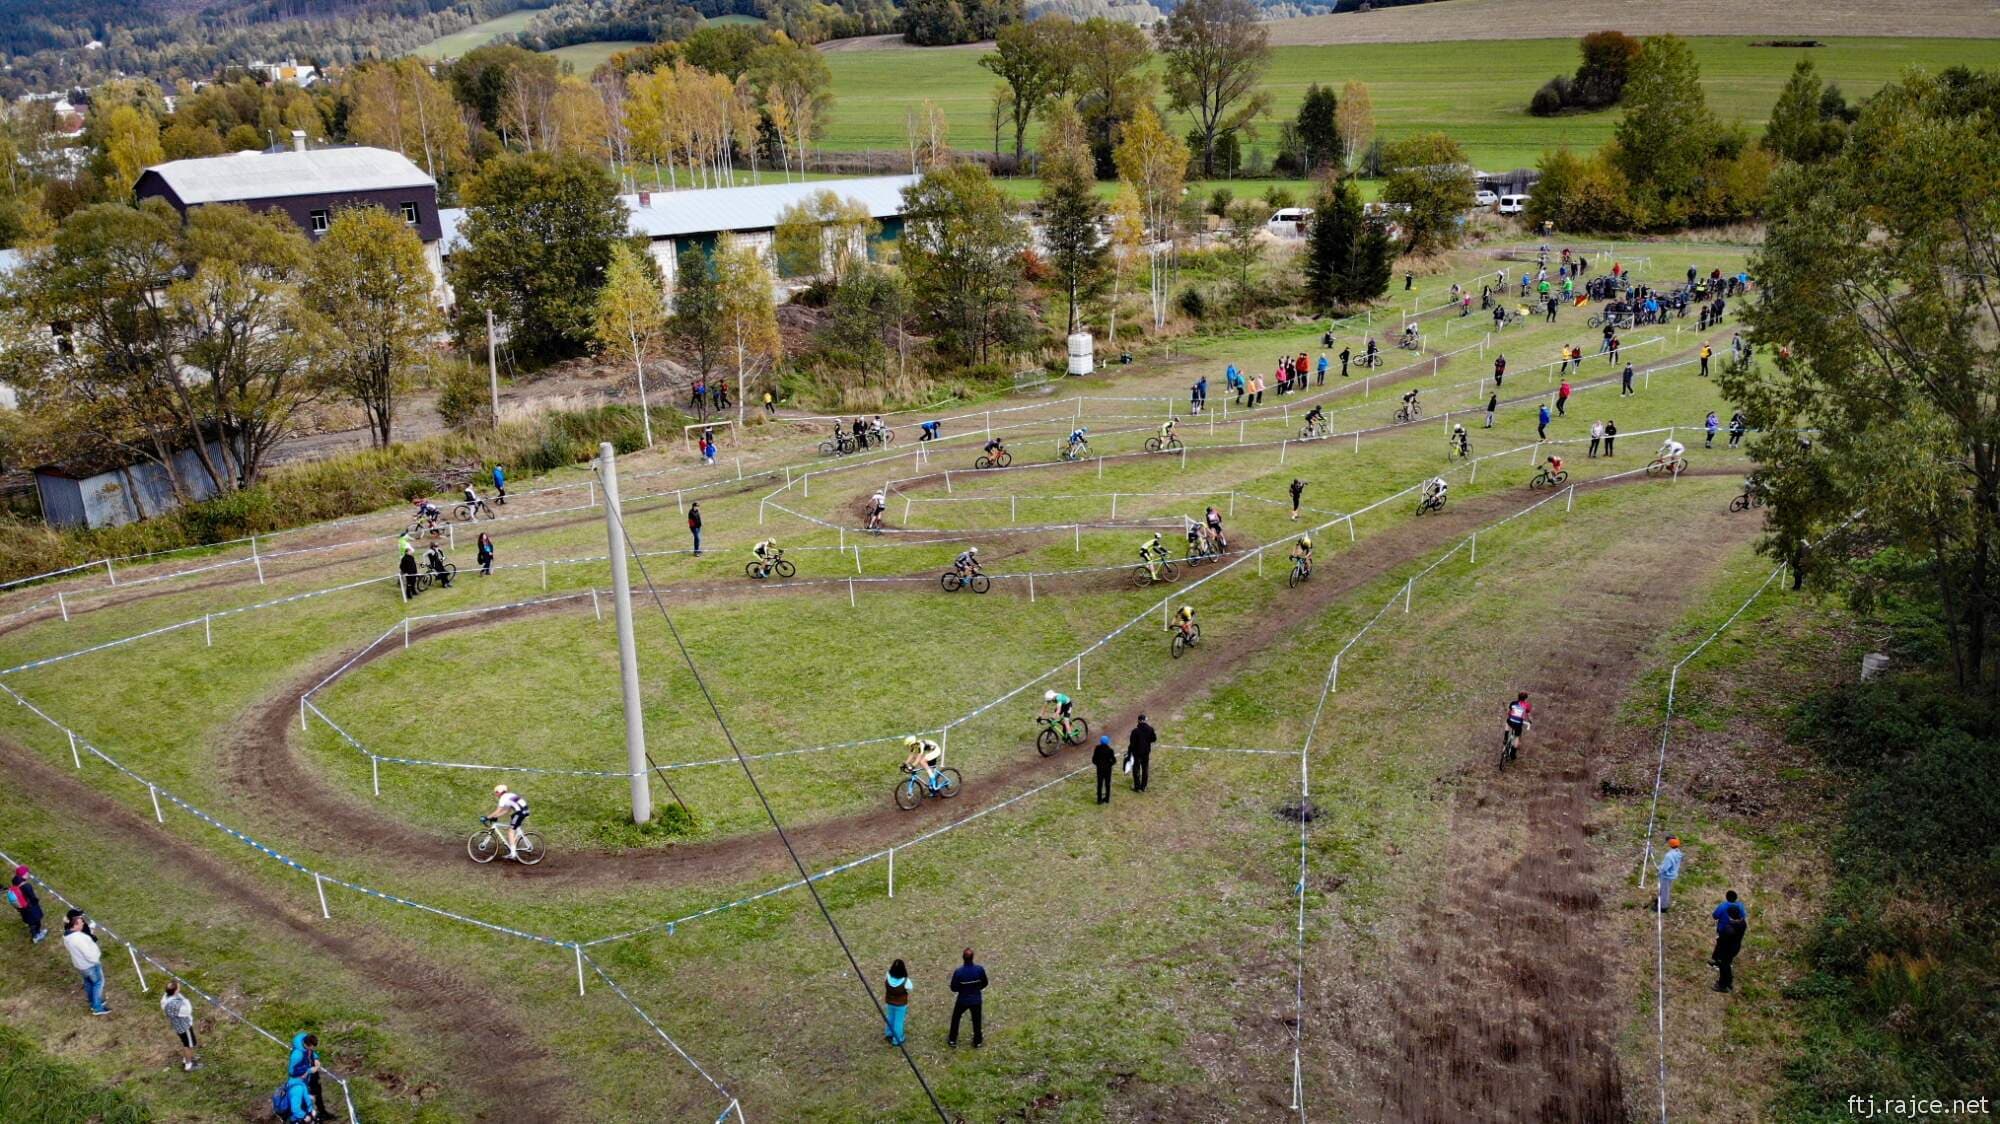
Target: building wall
[
  {"x": 300, "y": 208},
  {"x": 119, "y": 496}
]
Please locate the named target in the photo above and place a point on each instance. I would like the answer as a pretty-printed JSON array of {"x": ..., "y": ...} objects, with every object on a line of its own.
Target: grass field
[
  {"x": 1475, "y": 90},
  {"x": 1147, "y": 956},
  {"x": 478, "y": 35},
  {"x": 586, "y": 57}
]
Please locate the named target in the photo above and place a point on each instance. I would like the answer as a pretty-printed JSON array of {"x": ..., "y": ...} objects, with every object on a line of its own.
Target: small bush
[
  {"x": 1219, "y": 201},
  {"x": 465, "y": 398},
  {"x": 1548, "y": 101},
  {"x": 1193, "y": 304}
]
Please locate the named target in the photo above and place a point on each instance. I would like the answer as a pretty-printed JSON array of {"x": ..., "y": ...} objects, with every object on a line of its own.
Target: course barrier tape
[{"x": 105, "y": 928}]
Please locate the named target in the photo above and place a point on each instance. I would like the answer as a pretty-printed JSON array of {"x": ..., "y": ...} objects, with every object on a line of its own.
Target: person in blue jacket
[
  {"x": 304, "y": 1067},
  {"x": 294, "y": 1102},
  {"x": 500, "y": 483},
  {"x": 1542, "y": 428}
]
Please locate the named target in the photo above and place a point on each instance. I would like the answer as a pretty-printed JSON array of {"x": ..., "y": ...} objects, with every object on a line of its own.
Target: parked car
[
  {"x": 1289, "y": 222},
  {"x": 1484, "y": 198},
  {"x": 1513, "y": 204}
]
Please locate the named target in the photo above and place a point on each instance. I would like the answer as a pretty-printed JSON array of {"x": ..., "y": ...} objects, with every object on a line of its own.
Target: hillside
[{"x": 1537, "y": 19}]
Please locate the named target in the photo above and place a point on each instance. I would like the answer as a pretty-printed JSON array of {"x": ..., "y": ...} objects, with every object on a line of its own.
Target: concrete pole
[
  {"x": 493, "y": 368},
  {"x": 628, "y": 655}
]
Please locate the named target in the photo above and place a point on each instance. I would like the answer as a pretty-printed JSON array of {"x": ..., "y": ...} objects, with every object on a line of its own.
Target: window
[
  {"x": 410, "y": 213},
  {"x": 318, "y": 219}
]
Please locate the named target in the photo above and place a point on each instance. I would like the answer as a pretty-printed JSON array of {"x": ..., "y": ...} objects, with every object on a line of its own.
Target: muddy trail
[
  {"x": 495, "y": 1058},
  {"x": 1502, "y": 1008},
  {"x": 259, "y": 755}
]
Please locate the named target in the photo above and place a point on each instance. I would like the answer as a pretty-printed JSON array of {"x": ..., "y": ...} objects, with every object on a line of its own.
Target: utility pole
[
  {"x": 628, "y": 655},
  {"x": 492, "y": 368}
]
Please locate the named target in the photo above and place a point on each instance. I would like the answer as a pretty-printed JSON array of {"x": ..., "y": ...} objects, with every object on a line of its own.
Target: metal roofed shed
[
  {"x": 242, "y": 176},
  {"x": 108, "y": 488}
]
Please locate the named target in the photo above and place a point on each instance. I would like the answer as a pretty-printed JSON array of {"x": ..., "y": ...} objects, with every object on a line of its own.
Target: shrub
[
  {"x": 1193, "y": 304},
  {"x": 1219, "y": 201},
  {"x": 1548, "y": 101},
  {"x": 465, "y": 399}
]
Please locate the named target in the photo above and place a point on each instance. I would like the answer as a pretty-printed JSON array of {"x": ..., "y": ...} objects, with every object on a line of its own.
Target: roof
[
  {"x": 241, "y": 176},
  {"x": 675, "y": 214}
]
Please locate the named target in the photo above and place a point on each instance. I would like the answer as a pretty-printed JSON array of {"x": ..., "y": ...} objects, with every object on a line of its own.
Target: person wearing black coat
[
  {"x": 1105, "y": 758},
  {"x": 1140, "y": 750}
]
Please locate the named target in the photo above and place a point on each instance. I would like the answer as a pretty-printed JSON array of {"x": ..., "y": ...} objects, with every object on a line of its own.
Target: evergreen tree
[
  {"x": 1667, "y": 132},
  {"x": 1800, "y": 130},
  {"x": 1318, "y": 125},
  {"x": 1071, "y": 212},
  {"x": 1374, "y": 260},
  {"x": 1330, "y": 244},
  {"x": 696, "y": 326}
]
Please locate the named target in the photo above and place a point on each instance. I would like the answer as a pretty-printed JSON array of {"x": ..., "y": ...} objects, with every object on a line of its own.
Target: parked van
[
  {"x": 1513, "y": 204},
  {"x": 1289, "y": 222},
  {"x": 1484, "y": 198}
]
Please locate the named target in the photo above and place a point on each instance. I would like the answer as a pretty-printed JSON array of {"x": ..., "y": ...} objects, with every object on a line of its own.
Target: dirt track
[{"x": 1544, "y": 19}]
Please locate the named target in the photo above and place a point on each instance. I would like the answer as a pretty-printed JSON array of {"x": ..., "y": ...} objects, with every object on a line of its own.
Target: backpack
[
  {"x": 17, "y": 897},
  {"x": 281, "y": 1102}
]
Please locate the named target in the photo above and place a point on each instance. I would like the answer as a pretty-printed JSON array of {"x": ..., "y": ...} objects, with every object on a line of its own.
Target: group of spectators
[{"x": 1731, "y": 916}]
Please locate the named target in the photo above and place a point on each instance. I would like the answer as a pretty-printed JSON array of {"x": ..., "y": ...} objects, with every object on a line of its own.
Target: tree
[
  {"x": 131, "y": 139},
  {"x": 1153, "y": 163},
  {"x": 1111, "y": 82},
  {"x": 697, "y": 320},
  {"x": 869, "y": 304},
  {"x": 1877, "y": 299},
  {"x": 746, "y": 314},
  {"x": 1374, "y": 261},
  {"x": 1318, "y": 125},
  {"x": 632, "y": 315},
  {"x": 1215, "y": 54},
  {"x": 369, "y": 284},
  {"x": 1240, "y": 246},
  {"x": 1071, "y": 211},
  {"x": 1665, "y": 134},
  {"x": 1805, "y": 126},
  {"x": 1428, "y": 174},
  {"x": 793, "y": 80},
  {"x": 822, "y": 235},
  {"x": 1026, "y": 59},
  {"x": 1128, "y": 238},
  {"x": 538, "y": 231},
  {"x": 1330, "y": 242},
  {"x": 962, "y": 247},
  {"x": 242, "y": 323},
  {"x": 400, "y": 106},
  {"x": 1579, "y": 193},
  {"x": 1605, "y": 68},
  {"x": 1356, "y": 120}
]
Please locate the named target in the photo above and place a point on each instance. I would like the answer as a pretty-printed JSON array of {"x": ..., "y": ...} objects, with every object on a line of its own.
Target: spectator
[
  {"x": 485, "y": 554},
  {"x": 1732, "y": 920},
  {"x": 930, "y": 431},
  {"x": 1256, "y": 390},
  {"x": 896, "y": 1002},
  {"x": 408, "y": 568},
  {"x": 1596, "y": 437},
  {"x": 1139, "y": 751},
  {"x": 1104, "y": 758},
  {"x": 293, "y": 1102},
  {"x": 1409, "y": 279},
  {"x": 88, "y": 961},
  {"x": 694, "y": 525},
  {"x": 1492, "y": 404},
  {"x": 969, "y": 984},
  {"x": 180, "y": 1017},
  {"x": 1706, "y": 352},
  {"x": 1625, "y": 382},
  {"x": 1320, "y": 369},
  {"x": 1736, "y": 427},
  {"x": 1345, "y": 353},
  {"x": 770, "y": 405},
  {"x": 1711, "y": 425},
  {"x": 1562, "y": 397},
  {"x": 1617, "y": 348},
  {"x": 305, "y": 1067},
  {"x": 1196, "y": 393},
  {"x": 1610, "y": 435},
  {"x": 1232, "y": 379},
  {"x": 1298, "y": 489},
  {"x": 21, "y": 895},
  {"x": 1499, "y": 371},
  {"x": 707, "y": 450},
  {"x": 1670, "y": 869},
  {"x": 499, "y": 484},
  {"x": 1542, "y": 426}
]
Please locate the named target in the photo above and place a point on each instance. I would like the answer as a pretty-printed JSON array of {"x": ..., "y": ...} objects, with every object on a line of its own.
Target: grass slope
[{"x": 478, "y": 35}]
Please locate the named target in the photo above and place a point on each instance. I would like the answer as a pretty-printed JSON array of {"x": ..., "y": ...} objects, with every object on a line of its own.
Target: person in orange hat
[{"x": 1670, "y": 869}]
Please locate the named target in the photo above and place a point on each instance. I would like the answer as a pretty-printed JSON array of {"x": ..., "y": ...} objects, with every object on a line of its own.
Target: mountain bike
[
  {"x": 1001, "y": 459},
  {"x": 911, "y": 790},
  {"x": 1510, "y": 744},
  {"x": 780, "y": 565},
  {"x": 1429, "y": 502},
  {"x": 839, "y": 445},
  {"x": 1667, "y": 466},
  {"x": 1544, "y": 479},
  {"x": 1142, "y": 577},
  {"x": 1165, "y": 444},
  {"x": 1301, "y": 570},
  {"x": 490, "y": 842},
  {"x": 1410, "y": 343},
  {"x": 1184, "y": 640},
  {"x": 953, "y": 582},
  {"x": 471, "y": 512},
  {"x": 429, "y": 578},
  {"x": 1052, "y": 738},
  {"x": 1074, "y": 451},
  {"x": 1369, "y": 359},
  {"x": 1409, "y": 411},
  {"x": 1747, "y": 500},
  {"x": 1314, "y": 432}
]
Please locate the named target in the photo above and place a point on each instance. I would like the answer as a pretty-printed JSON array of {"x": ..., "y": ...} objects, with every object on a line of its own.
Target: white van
[
  {"x": 1289, "y": 222},
  {"x": 1484, "y": 198},
  {"x": 1513, "y": 204}
]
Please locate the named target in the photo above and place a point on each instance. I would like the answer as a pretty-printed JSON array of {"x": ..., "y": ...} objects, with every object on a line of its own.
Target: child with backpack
[
  {"x": 293, "y": 1103},
  {"x": 21, "y": 895}
]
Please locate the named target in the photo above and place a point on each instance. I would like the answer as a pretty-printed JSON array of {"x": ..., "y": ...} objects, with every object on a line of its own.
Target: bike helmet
[
  {"x": 499, "y": 789},
  {"x": 910, "y": 742},
  {"x": 972, "y": 550},
  {"x": 1048, "y": 696}
]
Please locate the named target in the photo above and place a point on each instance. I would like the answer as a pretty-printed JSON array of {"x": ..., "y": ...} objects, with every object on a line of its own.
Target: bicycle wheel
[
  {"x": 1169, "y": 571},
  {"x": 1416, "y": 411},
  {"x": 1179, "y": 644},
  {"x": 1006, "y": 459},
  {"x": 828, "y": 448},
  {"x": 983, "y": 462},
  {"x": 980, "y": 583},
  {"x": 1048, "y": 742},
  {"x": 423, "y": 582},
  {"x": 1194, "y": 635},
  {"x": 1561, "y": 478},
  {"x": 1680, "y": 467},
  {"x": 949, "y": 580},
  {"x": 909, "y": 793},
  {"x": 785, "y": 568},
  {"x": 754, "y": 570},
  {"x": 530, "y": 852},
  {"x": 1172, "y": 444},
  {"x": 1079, "y": 730},
  {"x": 950, "y": 784},
  {"x": 887, "y": 436},
  {"x": 1298, "y": 574},
  {"x": 1535, "y": 485},
  {"x": 1740, "y": 503},
  {"x": 462, "y": 512},
  {"x": 450, "y": 572},
  {"x": 481, "y": 846},
  {"x": 1152, "y": 444}
]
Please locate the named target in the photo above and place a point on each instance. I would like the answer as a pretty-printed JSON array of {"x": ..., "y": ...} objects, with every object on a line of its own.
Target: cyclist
[
  {"x": 1410, "y": 336},
  {"x": 1370, "y": 358},
  {"x": 1079, "y": 440},
  {"x": 1152, "y": 552},
  {"x": 1302, "y": 552},
  {"x": 1316, "y": 419},
  {"x": 878, "y": 431},
  {"x": 472, "y": 499},
  {"x": 427, "y": 511},
  {"x": 434, "y": 562},
  {"x": 967, "y": 562},
  {"x": 1166, "y": 432},
  {"x": 1197, "y": 539},
  {"x": 1670, "y": 452},
  {"x": 1518, "y": 713},
  {"x": 1214, "y": 520},
  {"x": 1056, "y": 705},
  {"x": 994, "y": 447},
  {"x": 767, "y": 553},
  {"x": 1410, "y": 400},
  {"x": 513, "y": 807},
  {"x": 1555, "y": 465},
  {"x": 1460, "y": 440},
  {"x": 1184, "y": 621},
  {"x": 878, "y": 504},
  {"x": 1434, "y": 491},
  {"x": 923, "y": 754}
]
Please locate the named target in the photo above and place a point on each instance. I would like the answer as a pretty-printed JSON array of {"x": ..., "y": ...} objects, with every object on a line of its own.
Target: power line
[{"x": 770, "y": 814}]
